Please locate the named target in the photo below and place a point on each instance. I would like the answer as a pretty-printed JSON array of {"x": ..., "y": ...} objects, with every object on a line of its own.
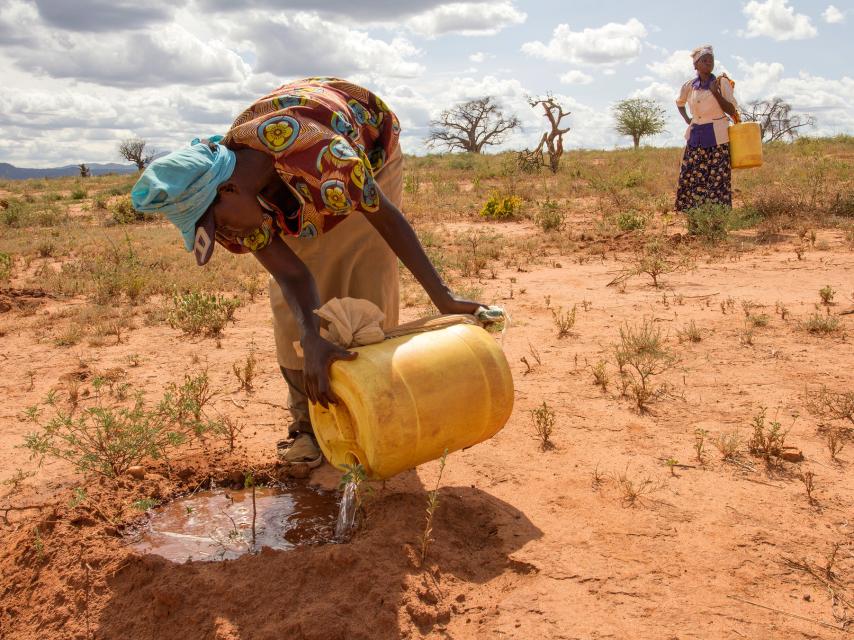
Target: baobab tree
[
  {"x": 775, "y": 118},
  {"x": 470, "y": 126}
]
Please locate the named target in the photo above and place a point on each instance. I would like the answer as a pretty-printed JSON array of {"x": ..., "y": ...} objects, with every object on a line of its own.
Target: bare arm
[
  {"x": 400, "y": 236},
  {"x": 684, "y": 115},
  {"x": 300, "y": 292},
  {"x": 726, "y": 105}
]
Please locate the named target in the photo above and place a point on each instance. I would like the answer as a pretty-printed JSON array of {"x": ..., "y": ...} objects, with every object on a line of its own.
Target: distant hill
[{"x": 11, "y": 172}]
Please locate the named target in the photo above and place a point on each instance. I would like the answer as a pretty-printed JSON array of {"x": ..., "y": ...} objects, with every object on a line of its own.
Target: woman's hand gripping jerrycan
[{"x": 405, "y": 400}]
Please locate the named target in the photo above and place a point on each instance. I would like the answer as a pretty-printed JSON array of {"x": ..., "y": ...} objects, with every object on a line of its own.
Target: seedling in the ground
[
  {"x": 245, "y": 373},
  {"x": 808, "y": 478},
  {"x": 600, "y": 374},
  {"x": 782, "y": 310},
  {"x": 689, "y": 333},
  {"x": 563, "y": 320},
  {"x": 672, "y": 463},
  {"x": 432, "y": 505},
  {"x": 768, "y": 439},
  {"x": 728, "y": 445},
  {"x": 700, "y": 443},
  {"x": 830, "y": 404},
  {"x": 534, "y": 353},
  {"x": 746, "y": 335},
  {"x": 229, "y": 429},
  {"x": 17, "y": 479},
  {"x": 748, "y": 306},
  {"x": 144, "y": 504},
  {"x": 835, "y": 438},
  {"x": 655, "y": 259},
  {"x": 596, "y": 478},
  {"x": 543, "y": 419},
  {"x": 826, "y": 294},
  {"x": 633, "y": 490},
  {"x": 642, "y": 354},
  {"x": 758, "y": 319}
]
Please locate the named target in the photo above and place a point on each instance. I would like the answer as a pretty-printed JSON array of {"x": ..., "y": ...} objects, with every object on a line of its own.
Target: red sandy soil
[{"x": 528, "y": 543}]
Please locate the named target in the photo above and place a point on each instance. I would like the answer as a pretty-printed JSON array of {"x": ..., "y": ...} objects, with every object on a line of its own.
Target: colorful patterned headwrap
[
  {"x": 183, "y": 184},
  {"x": 699, "y": 52}
]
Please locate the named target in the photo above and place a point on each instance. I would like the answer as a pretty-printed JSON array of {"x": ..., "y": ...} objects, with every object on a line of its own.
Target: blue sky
[{"x": 83, "y": 74}]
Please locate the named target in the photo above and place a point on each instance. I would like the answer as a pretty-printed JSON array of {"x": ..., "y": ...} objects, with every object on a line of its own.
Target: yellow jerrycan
[
  {"x": 405, "y": 400},
  {"x": 745, "y": 145}
]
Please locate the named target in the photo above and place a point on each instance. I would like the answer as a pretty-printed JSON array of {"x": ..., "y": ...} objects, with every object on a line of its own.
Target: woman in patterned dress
[
  {"x": 309, "y": 180},
  {"x": 705, "y": 175}
]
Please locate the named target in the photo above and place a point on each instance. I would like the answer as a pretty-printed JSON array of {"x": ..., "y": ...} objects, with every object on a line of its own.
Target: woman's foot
[{"x": 301, "y": 449}]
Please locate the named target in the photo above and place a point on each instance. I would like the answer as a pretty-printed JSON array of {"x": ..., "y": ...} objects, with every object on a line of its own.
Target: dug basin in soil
[{"x": 217, "y": 525}]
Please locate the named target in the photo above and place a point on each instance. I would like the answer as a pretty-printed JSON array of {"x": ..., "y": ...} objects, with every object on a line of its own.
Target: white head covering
[{"x": 699, "y": 52}]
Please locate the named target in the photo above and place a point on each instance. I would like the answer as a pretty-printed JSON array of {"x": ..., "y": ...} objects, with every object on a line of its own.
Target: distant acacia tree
[
  {"x": 84, "y": 170},
  {"x": 639, "y": 117},
  {"x": 137, "y": 151},
  {"x": 775, "y": 119},
  {"x": 470, "y": 126},
  {"x": 552, "y": 140}
]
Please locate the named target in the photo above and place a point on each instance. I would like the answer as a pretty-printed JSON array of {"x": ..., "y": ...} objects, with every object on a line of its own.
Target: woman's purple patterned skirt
[{"x": 705, "y": 176}]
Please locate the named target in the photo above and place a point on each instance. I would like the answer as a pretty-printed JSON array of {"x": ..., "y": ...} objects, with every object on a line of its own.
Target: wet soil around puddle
[{"x": 217, "y": 524}]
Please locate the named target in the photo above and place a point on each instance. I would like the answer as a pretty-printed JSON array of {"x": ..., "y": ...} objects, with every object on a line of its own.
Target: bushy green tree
[{"x": 639, "y": 117}]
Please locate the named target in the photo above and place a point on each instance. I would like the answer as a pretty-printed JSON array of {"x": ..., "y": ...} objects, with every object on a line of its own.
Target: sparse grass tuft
[
  {"x": 5, "y": 267},
  {"x": 768, "y": 439},
  {"x": 830, "y": 404},
  {"x": 641, "y": 355},
  {"x": 634, "y": 490},
  {"x": 245, "y": 374},
  {"x": 564, "y": 321},
  {"x": 689, "y": 333},
  {"x": 600, "y": 374},
  {"x": 551, "y": 217},
  {"x": 821, "y": 325},
  {"x": 728, "y": 445},
  {"x": 543, "y": 419}
]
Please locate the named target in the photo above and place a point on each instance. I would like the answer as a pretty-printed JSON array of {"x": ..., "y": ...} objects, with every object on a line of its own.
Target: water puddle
[{"x": 218, "y": 524}]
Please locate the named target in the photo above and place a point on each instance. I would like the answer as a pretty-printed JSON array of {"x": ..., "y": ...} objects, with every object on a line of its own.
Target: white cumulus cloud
[
  {"x": 468, "y": 19},
  {"x": 675, "y": 68},
  {"x": 776, "y": 19},
  {"x": 304, "y": 44},
  {"x": 609, "y": 44},
  {"x": 832, "y": 15},
  {"x": 576, "y": 77}
]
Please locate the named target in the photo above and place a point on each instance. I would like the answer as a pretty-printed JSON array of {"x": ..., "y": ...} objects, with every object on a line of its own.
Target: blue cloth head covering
[{"x": 183, "y": 184}]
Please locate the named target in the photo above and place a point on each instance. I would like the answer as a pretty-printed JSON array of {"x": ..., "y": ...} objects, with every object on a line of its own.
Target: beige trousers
[{"x": 352, "y": 260}]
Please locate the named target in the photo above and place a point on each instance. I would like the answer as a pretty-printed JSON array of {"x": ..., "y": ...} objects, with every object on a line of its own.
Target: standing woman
[{"x": 705, "y": 175}]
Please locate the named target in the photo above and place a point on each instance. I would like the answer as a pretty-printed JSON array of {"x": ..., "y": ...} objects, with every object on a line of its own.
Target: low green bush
[
  {"x": 501, "y": 207},
  {"x": 201, "y": 313}
]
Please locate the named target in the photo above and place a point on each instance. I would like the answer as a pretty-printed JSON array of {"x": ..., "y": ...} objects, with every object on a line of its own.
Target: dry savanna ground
[{"x": 678, "y": 463}]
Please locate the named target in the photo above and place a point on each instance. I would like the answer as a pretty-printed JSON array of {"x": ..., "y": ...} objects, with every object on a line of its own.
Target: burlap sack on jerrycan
[{"x": 405, "y": 400}]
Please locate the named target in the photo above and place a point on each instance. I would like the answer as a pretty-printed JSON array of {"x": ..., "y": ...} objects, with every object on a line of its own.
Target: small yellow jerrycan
[
  {"x": 405, "y": 400},
  {"x": 745, "y": 145}
]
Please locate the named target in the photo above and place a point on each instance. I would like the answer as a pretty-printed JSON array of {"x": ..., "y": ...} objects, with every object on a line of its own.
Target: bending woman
[
  {"x": 309, "y": 180},
  {"x": 705, "y": 175}
]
